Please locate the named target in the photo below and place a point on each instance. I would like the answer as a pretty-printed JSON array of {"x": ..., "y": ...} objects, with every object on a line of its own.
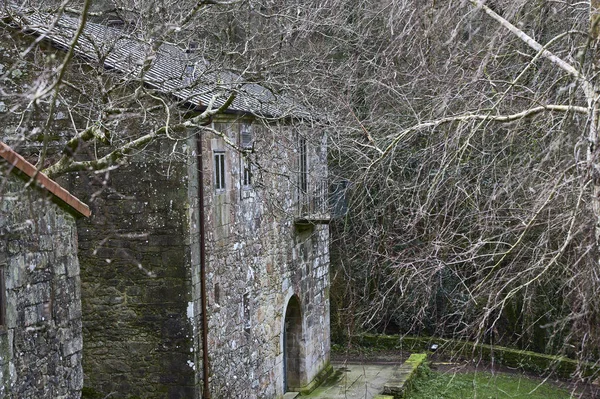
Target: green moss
[
  {"x": 414, "y": 367},
  {"x": 396, "y": 342},
  {"x": 416, "y": 359},
  {"x": 322, "y": 376}
]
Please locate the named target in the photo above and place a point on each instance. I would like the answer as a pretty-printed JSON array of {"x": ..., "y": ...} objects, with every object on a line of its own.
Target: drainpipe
[{"x": 205, "y": 365}]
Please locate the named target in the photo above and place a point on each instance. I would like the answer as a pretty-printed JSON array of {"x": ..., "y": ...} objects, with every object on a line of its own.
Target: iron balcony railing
[{"x": 321, "y": 200}]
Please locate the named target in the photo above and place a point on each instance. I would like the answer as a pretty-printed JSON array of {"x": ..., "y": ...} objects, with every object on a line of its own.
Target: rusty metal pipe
[{"x": 205, "y": 364}]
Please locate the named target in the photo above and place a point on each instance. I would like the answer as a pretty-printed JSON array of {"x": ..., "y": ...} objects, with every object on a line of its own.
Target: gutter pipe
[{"x": 205, "y": 363}]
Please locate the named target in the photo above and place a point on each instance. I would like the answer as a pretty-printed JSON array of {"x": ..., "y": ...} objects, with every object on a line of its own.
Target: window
[
  {"x": 246, "y": 312},
  {"x": 246, "y": 138},
  {"x": 188, "y": 74},
  {"x": 2, "y": 298},
  {"x": 246, "y": 143},
  {"x": 246, "y": 174},
  {"x": 219, "y": 167},
  {"x": 217, "y": 294},
  {"x": 303, "y": 165}
]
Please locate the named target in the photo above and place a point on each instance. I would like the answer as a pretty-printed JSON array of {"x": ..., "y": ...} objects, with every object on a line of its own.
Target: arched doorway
[{"x": 292, "y": 346}]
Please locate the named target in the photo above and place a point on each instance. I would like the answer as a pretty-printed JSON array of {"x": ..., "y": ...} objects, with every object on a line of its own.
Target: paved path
[{"x": 354, "y": 381}]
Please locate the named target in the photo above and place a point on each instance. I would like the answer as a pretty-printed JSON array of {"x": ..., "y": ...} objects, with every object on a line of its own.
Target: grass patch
[{"x": 482, "y": 385}]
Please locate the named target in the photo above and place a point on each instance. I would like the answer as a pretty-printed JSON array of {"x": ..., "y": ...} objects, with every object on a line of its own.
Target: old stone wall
[
  {"x": 134, "y": 250},
  {"x": 136, "y": 275},
  {"x": 41, "y": 339},
  {"x": 257, "y": 259}
]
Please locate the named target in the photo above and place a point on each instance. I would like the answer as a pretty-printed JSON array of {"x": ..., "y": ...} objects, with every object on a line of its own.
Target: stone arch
[{"x": 293, "y": 346}]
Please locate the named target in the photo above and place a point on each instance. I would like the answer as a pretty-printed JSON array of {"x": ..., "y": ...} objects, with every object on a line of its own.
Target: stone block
[
  {"x": 46, "y": 242},
  {"x": 14, "y": 247},
  {"x": 72, "y": 266},
  {"x": 75, "y": 312},
  {"x": 36, "y": 293},
  {"x": 30, "y": 316},
  {"x": 73, "y": 346}
]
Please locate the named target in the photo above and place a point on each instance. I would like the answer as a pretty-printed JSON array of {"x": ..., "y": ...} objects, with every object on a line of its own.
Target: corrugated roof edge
[{"x": 45, "y": 182}]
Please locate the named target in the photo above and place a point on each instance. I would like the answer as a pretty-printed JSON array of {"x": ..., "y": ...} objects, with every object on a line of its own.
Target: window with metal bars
[
  {"x": 247, "y": 174},
  {"x": 219, "y": 168},
  {"x": 2, "y": 298},
  {"x": 246, "y": 313},
  {"x": 303, "y": 164}
]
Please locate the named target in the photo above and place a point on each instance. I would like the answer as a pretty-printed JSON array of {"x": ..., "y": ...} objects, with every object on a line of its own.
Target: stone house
[
  {"x": 40, "y": 298},
  {"x": 205, "y": 264}
]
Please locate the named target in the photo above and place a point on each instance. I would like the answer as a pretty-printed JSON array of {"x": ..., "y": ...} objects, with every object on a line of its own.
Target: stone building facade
[
  {"x": 268, "y": 260},
  {"x": 259, "y": 266},
  {"x": 266, "y": 271},
  {"x": 40, "y": 296}
]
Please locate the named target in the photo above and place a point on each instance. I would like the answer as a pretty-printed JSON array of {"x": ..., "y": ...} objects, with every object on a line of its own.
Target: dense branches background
[
  {"x": 461, "y": 223},
  {"x": 471, "y": 228}
]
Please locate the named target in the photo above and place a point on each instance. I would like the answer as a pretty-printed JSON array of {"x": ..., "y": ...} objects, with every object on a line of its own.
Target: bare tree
[{"x": 468, "y": 130}]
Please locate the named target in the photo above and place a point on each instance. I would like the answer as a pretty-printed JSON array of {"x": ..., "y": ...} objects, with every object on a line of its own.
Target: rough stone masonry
[{"x": 40, "y": 331}]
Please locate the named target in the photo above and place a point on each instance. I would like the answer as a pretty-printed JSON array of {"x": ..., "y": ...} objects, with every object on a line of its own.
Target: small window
[
  {"x": 303, "y": 164},
  {"x": 219, "y": 167},
  {"x": 2, "y": 298},
  {"x": 247, "y": 174},
  {"x": 246, "y": 312},
  {"x": 217, "y": 294},
  {"x": 246, "y": 138},
  {"x": 188, "y": 74},
  {"x": 192, "y": 47}
]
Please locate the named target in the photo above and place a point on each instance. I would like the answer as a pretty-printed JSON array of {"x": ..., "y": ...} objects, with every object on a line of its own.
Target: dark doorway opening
[{"x": 292, "y": 346}]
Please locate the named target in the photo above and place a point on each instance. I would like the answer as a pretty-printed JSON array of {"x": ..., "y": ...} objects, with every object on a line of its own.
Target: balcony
[{"x": 320, "y": 201}]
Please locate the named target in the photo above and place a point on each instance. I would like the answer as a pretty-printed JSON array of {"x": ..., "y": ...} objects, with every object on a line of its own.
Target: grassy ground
[{"x": 482, "y": 385}]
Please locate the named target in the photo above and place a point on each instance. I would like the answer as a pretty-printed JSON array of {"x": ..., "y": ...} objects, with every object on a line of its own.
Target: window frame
[
  {"x": 217, "y": 293},
  {"x": 303, "y": 164},
  {"x": 246, "y": 137},
  {"x": 219, "y": 175},
  {"x": 247, "y": 175},
  {"x": 246, "y": 144},
  {"x": 246, "y": 313},
  {"x": 3, "y": 298}
]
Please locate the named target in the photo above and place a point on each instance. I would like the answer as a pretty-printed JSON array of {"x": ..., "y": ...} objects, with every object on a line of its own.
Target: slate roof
[{"x": 188, "y": 77}]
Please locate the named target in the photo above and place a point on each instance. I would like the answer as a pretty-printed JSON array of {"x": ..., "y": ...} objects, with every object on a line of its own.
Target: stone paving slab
[{"x": 355, "y": 381}]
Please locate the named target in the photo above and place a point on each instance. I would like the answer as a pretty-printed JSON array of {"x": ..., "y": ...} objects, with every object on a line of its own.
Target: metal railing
[{"x": 322, "y": 200}]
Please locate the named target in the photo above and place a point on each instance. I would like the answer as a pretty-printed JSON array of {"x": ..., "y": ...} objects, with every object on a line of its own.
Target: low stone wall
[
  {"x": 405, "y": 375},
  {"x": 523, "y": 360},
  {"x": 40, "y": 336}
]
